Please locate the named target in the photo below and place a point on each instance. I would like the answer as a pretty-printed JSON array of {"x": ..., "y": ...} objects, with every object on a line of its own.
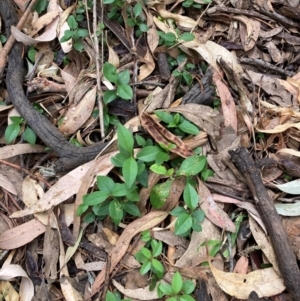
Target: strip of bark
[
  {"x": 70, "y": 155},
  {"x": 285, "y": 256}
]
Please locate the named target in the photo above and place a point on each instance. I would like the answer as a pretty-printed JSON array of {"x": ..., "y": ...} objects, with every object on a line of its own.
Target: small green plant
[
  {"x": 75, "y": 33},
  {"x": 193, "y": 4},
  {"x": 170, "y": 39},
  {"x": 114, "y": 297},
  {"x": 149, "y": 260},
  {"x": 3, "y": 39},
  {"x": 13, "y": 130},
  {"x": 120, "y": 80},
  {"x": 176, "y": 121},
  {"x": 137, "y": 19},
  {"x": 178, "y": 290}
]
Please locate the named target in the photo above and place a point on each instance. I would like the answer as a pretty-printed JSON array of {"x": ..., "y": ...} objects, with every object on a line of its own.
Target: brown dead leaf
[
  {"x": 212, "y": 211},
  {"x": 21, "y": 235},
  {"x": 20, "y": 149},
  {"x": 141, "y": 224},
  {"x": 162, "y": 135},
  {"x": 7, "y": 184},
  {"x": 241, "y": 266},
  {"x": 78, "y": 114}
]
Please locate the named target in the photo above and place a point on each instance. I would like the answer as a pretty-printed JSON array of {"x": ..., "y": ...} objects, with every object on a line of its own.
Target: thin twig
[
  {"x": 98, "y": 67},
  {"x": 26, "y": 171},
  {"x": 10, "y": 42}
]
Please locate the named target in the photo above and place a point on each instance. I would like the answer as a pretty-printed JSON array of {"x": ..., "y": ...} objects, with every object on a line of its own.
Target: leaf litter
[{"x": 254, "y": 104}]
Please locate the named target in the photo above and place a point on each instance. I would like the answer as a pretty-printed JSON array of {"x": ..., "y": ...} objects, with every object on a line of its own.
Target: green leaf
[
  {"x": 198, "y": 215},
  {"x": 140, "y": 140},
  {"x": 108, "y": 1},
  {"x": 110, "y": 72},
  {"x": 188, "y": 287},
  {"x": 189, "y": 128},
  {"x": 29, "y": 135},
  {"x": 143, "y": 27},
  {"x": 12, "y": 132},
  {"x": 72, "y": 22},
  {"x": 157, "y": 268},
  {"x": 131, "y": 208},
  {"x": 125, "y": 139},
  {"x": 40, "y": 6},
  {"x": 177, "y": 282},
  {"x": 148, "y": 153},
  {"x": 143, "y": 178},
  {"x": 119, "y": 159},
  {"x": 206, "y": 174},
  {"x": 89, "y": 218},
  {"x": 177, "y": 211},
  {"x": 129, "y": 171},
  {"x": 68, "y": 34},
  {"x": 109, "y": 295},
  {"x": 172, "y": 299},
  {"x": 192, "y": 165},
  {"x": 124, "y": 77},
  {"x": 146, "y": 252},
  {"x": 17, "y": 119},
  {"x": 169, "y": 36},
  {"x": 101, "y": 210},
  {"x": 187, "y": 37},
  {"x": 120, "y": 190},
  {"x": 31, "y": 53},
  {"x": 133, "y": 196},
  {"x": 165, "y": 289},
  {"x": 186, "y": 298},
  {"x": 137, "y": 9},
  {"x": 109, "y": 96},
  {"x": 156, "y": 247},
  {"x": 196, "y": 226},
  {"x": 159, "y": 169},
  {"x": 190, "y": 196},
  {"x": 187, "y": 77},
  {"x": 146, "y": 235},
  {"x": 145, "y": 268},
  {"x": 81, "y": 33},
  {"x": 160, "y": 193},
  {"x": 95, "y": 198},
  {"x": 81, "y": 209},
  {"x": 105, "y": 183},
  {"x": 161, "y": 157},
  {"x": 164, "y": 116},
  {"x": 183, "y": 224},
  {"x": 115, "y": 211},
  {"x": 125, "y": 92},
  {"x": 78, "y": 45}
]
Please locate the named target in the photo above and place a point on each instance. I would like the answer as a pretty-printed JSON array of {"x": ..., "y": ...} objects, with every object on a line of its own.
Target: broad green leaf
[
  {"x": 190, "y": 196},
  {"x": 130, "y": 171},
  {"x": 172, "y": 299},
  {"x": 89, "y": 218},
  {"x": 11, "y": 132},
  {"x": 159, "y": 194},
  {"x": 133, "y": 196},
  {"x": 81, "y": 209},
  {"x": 40, "y": 5},
  {"x": 145, "y": 268},
  {"x": 157, "y": 268},
  {"x": 159, "y": 169},
  {"x": 137, "y": 9},
  {"x": 177, "y": 282},
  {"x": 95, "y": 198},
  {"x": 124, "y": 77},
  {"x": 169, "y": 36},
  {"x": 146, "y": 252},
  {"x": 110, "y": 72},
  {"x": 164, "y": 116},
  {"x": 125, "y": 92},
  {"x": 105, "y": 183},
  {"x": 188, "y": 287},
  {"x": 109, "y": 96},
  {"x": 101, "y": 210},
  {"x": 140, "y": 140},
  {"x": 120, "y": 190},
  {"x": 165, "y": 289},
  {"x": 131, "y": 208},
  {"x": 16, "y": 119},
  {"x": 187, "y": 77},
  {"x": 125, "y": 139},
  {"x": 110, "y": 296},
  {"x": 186, "y": 298},
  {"x": 206, "y": 174},
  {"x": 192, "y": 165},
  {"x": 72, "y": 22},
  {"x": 119, "y": 159},
  {"x": 143, "y": 178},
  {"x": 156, "y": 247},
  {"x": 148, "y": 153},
  {"x": 178, "y": 211},
  {"x": 29, "y": 135},
  {"x": 162, "y": 157},
  {"x": 198, "y": 215},
  {"x": 115, "y": 211},
  {"x": 189, "y": 128},
  {"x": 146, "y": 235},
  {"x": 78, "y": 45},
  {"x": 141, "y": 168},
  {"x": 183, "y": 224},
  {"x": 187, "y": 37},
  {"x": 81, "y": 33},
  {"x": 143, "y": 27},
  {"x": 196, "y": 226}
]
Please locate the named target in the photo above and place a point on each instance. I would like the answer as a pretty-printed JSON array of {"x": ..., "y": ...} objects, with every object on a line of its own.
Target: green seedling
[{"x": 114, "y": 297}]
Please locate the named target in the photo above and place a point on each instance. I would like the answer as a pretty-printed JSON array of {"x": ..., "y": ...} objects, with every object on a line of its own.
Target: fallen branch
[
  {"x": 70, "y": 155},
  {"x": 285, "y": 256}
]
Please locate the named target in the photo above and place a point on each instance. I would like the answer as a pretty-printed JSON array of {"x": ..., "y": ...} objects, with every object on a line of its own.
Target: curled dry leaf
[
  {"x": 21, "y": 235},
  {"x": 141, "y": 224},
  {"x": 78, "y": 114},
  {"x": 161, "y": 135},
  {"x": 8, "y": 272},
  {"x": 265, "y": 282},
  {"x": 212, "y": 211},
  {"x": 7, "y": 184},
  {"x": 183, "y": 21}
]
